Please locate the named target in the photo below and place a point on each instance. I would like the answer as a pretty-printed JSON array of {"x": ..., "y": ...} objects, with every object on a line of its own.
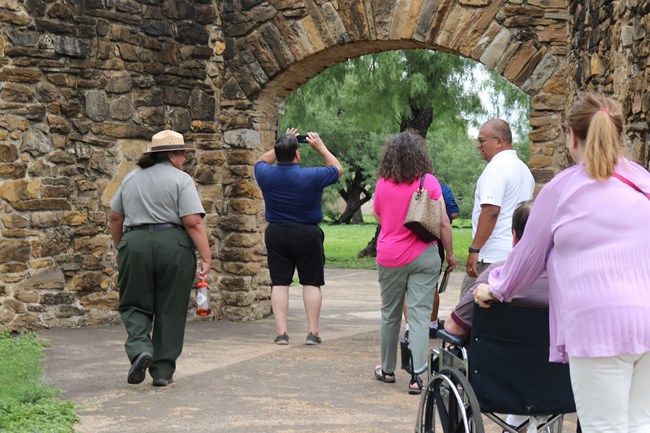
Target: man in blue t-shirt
[{"x": 294, "y": 240}]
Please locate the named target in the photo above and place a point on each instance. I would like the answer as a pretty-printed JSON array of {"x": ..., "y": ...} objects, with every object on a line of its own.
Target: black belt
[{"x": 162, "y": 226}]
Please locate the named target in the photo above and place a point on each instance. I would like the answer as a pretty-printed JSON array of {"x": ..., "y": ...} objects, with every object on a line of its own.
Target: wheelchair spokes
[{"x": 450, "y": 405}]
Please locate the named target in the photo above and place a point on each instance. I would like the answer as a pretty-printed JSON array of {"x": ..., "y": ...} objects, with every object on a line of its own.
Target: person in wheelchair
[
  {"x": 589, "y": 230},
  {"x": 535, "y": 295}
]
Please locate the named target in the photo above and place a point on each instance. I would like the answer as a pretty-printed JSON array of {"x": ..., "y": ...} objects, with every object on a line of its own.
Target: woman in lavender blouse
[{"x": 589, "y": 230}]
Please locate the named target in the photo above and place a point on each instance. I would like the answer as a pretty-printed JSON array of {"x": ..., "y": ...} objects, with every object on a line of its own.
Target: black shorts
[{"x": 294, "y": 245}]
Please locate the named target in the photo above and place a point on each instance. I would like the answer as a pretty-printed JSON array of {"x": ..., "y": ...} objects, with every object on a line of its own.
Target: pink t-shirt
[{"x": 397, "y": 245}]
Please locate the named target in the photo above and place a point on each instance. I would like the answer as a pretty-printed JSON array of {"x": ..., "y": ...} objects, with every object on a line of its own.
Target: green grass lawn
[
  {"x": 344, "y": 242},
  {"x": 27, "y": 404}
]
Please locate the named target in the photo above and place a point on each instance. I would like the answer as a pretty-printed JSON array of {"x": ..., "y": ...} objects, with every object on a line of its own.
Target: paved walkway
[{"x": 232, "y": 378}]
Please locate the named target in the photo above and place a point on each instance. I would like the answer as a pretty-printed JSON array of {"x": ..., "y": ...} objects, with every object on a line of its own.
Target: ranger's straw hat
[{"x": 167, "y": 141}]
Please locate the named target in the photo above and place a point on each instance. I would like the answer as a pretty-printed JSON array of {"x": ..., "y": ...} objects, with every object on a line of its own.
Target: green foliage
[
  {"x": 523, "y": 150},
  {"x": 22, "y": 357},
  {"x": 27, "y": 404},
  {"x": 458, "y": 164},
  {"x": 44, "y": 416},
  {"x": 356, "y": 105},
  {"x": 343, "y": 243},
  {"x": 506, "y": 101},
  {"x": 462, "y": 240}
]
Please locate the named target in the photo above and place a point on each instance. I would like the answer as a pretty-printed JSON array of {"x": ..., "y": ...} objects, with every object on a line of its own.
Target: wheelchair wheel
[{"x": 448, "y": 404}]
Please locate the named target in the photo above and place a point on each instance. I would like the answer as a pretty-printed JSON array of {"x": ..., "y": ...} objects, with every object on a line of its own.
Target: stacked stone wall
[
  {"x": 282, "y": 44},
  {"x": 85, "y": 84},
  {"x": 609, "y": 54}
]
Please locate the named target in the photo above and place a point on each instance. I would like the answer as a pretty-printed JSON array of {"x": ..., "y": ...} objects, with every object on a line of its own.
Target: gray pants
[
  {"x": 468, "y": 281},
  {"x": 417, "y": 280}
]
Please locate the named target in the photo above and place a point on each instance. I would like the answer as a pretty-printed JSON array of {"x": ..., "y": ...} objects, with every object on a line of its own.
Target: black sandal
[
  {"x": 415, "y": 380},
  {"x": 383, "y": 376}
]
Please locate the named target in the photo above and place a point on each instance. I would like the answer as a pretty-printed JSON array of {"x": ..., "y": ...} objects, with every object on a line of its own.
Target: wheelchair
[{"x": 502, "y": 369}]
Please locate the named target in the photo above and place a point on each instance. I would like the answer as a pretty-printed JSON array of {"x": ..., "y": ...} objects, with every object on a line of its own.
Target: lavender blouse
[{"x": 593, "y": 238}]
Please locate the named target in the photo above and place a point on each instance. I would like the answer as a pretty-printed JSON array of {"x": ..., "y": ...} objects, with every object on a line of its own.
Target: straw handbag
[{"x": 424, "y": 215}]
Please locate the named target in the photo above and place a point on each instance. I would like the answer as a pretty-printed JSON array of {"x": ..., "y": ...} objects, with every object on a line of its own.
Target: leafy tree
[
  {"x": 457, "y": 163},
  {"x": 355, "y": 104},
  {"x": 322, "y": 106},
  {"x": 508, "y": 102}
]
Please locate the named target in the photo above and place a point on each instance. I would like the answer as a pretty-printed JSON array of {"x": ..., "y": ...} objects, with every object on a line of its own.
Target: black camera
[{"x": 302, "y": 138}]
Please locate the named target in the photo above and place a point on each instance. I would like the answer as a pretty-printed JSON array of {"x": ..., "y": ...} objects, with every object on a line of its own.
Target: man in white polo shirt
[{"x": 505, "y": 182}]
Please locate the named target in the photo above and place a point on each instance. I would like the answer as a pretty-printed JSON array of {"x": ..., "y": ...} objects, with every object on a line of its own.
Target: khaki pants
[
  {"x": 417, "y": 280},
  {"x": 612, "y": 393}
]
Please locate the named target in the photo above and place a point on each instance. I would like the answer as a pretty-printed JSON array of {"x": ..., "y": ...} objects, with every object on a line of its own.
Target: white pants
[{"x": 612, "y": 394}]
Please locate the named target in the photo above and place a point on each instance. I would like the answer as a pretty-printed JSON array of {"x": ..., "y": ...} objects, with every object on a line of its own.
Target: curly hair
[{"x": 405, "y": 158}]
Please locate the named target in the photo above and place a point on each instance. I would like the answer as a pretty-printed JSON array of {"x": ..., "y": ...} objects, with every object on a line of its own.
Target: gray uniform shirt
[{"x": 157, "y": 194}]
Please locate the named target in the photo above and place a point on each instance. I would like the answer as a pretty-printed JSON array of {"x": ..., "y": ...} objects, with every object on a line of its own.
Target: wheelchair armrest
[{"x": 456, "y": 340}]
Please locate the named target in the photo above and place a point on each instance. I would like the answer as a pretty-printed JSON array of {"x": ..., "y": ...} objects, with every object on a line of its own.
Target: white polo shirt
[{"x": 506, "y": 181}]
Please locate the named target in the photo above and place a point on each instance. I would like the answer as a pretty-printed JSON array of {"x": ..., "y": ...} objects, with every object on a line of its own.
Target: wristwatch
[{"x": 474, "y": 250}]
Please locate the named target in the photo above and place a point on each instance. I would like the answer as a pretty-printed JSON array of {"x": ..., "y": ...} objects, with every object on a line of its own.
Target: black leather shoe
[
  {"x": 163, "y": 382},
  {"x": 139, "y": 368}
]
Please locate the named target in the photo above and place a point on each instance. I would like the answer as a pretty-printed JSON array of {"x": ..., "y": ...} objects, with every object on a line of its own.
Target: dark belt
[{"x": 162, "y": 226}]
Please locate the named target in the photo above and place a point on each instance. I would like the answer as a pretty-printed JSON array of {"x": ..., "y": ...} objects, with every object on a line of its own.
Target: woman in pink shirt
[
  {"x": 589, "y": 229},
  {"x": 406, "y": 265}
]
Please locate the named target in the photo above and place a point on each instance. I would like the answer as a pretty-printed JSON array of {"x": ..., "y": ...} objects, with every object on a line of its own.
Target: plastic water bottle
[{"x": 203, "y": 298}]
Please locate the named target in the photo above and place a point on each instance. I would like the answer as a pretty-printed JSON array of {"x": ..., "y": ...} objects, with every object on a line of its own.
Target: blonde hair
[{"x": 597, "y": 121}]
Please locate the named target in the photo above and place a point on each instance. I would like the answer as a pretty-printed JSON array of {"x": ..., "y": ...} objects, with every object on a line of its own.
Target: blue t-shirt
[
  {"x": 450, "y": 201},
  {"x": 293, "y": 193}
]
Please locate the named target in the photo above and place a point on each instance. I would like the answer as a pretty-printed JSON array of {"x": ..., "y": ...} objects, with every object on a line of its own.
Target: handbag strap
[
  {"x": 421, "y": 187},
  {"x": 630, "y": 184},
  {"x": 422, "y": 182}
]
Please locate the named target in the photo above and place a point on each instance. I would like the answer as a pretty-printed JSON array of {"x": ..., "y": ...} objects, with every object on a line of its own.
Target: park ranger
[{"x": 156, "y": 223}]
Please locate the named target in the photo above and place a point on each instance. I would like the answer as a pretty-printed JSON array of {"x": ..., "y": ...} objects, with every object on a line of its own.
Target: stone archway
[
  {"x": 84, "y": 84},
  {"x": 274, "y": 47}
]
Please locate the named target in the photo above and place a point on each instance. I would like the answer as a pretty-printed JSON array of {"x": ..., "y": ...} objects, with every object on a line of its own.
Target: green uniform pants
[{"x": 156, "y": 272}]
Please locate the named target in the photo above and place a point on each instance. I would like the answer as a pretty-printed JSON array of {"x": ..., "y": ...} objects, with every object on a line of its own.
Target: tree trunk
[
  {"x": 352, "y": 213},
  {"x": 371, "y": 249},
  {"x": 419, "y": 120},
  {"x": 355, "y": 196},
  {"x": 353, "y": 202}
]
